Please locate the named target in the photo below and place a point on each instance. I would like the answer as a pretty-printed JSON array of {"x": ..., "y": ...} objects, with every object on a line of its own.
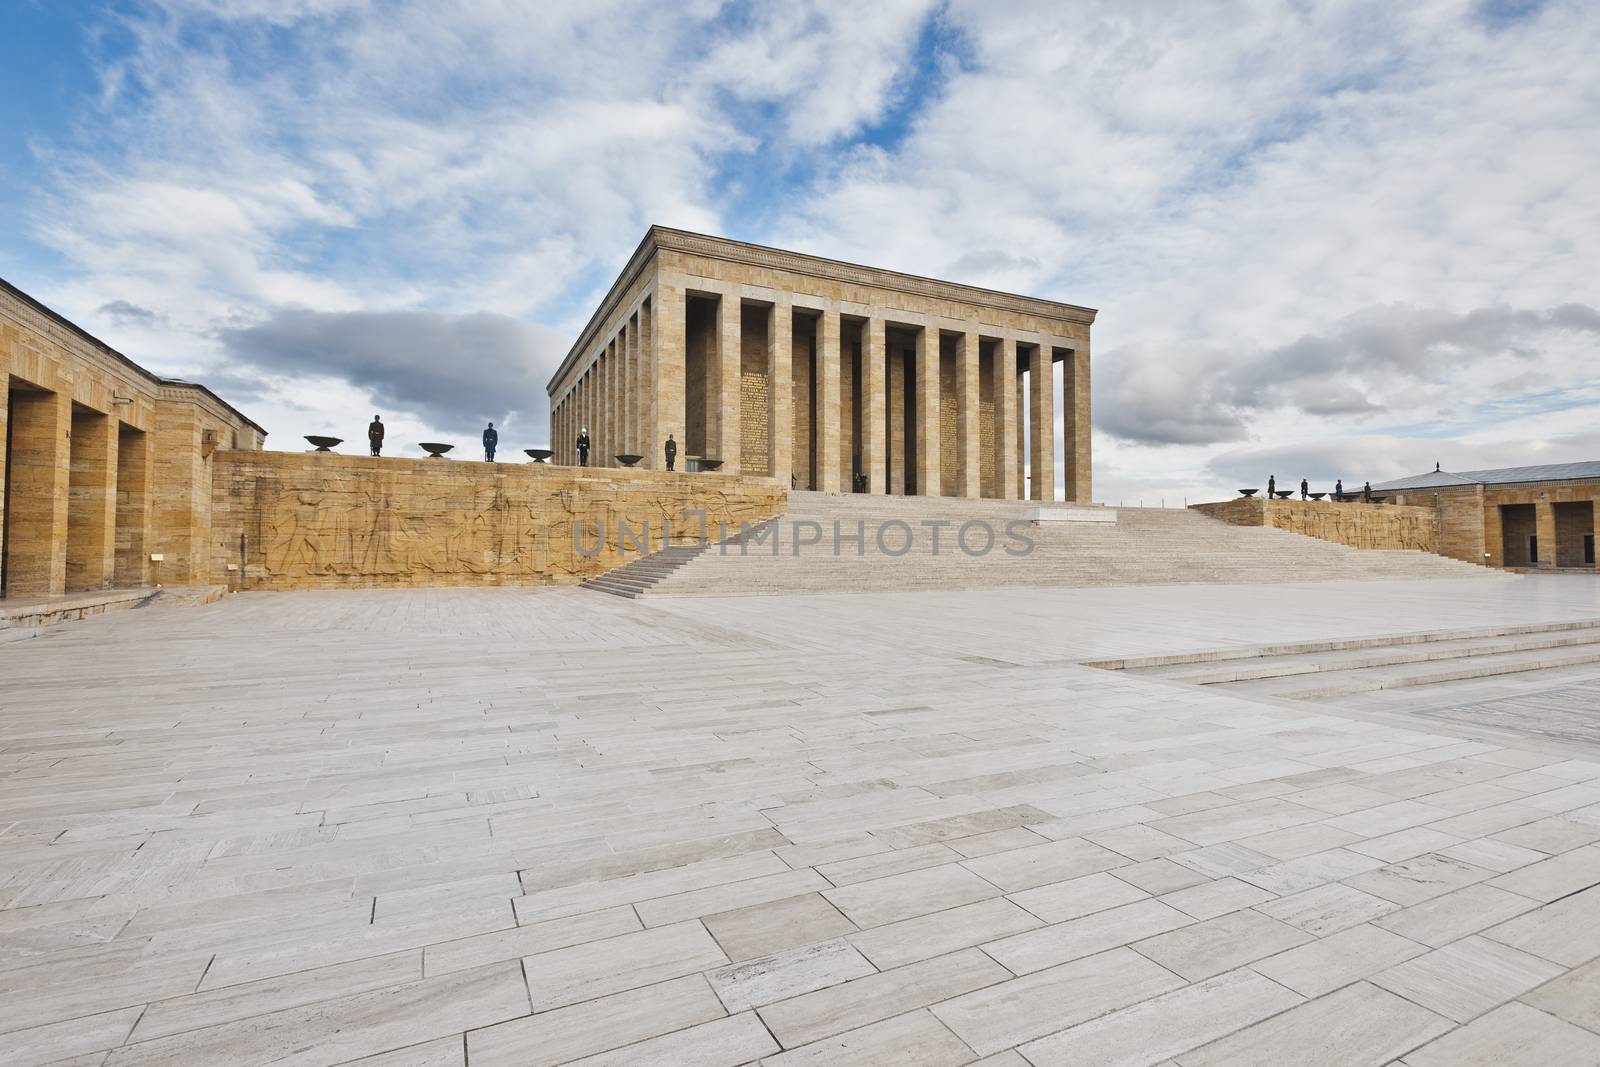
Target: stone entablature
[
  {"x": 825, "y": 370},
  {"x": 1352, "y": 523},
  {"x": 329, "y": 521}
]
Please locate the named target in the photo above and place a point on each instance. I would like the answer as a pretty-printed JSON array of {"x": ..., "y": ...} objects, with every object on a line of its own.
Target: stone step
[
  {"x": 1478, "y": 667},
  {"x": 1329, "y": 662}
]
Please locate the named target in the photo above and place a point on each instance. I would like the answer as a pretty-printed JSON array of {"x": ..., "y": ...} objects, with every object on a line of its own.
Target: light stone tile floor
[{"x": 537, "y": 827}]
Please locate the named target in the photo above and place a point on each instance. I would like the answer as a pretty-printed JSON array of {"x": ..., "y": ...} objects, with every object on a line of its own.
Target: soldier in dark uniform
[
  {"x": 1338, "y": 489},
  {"x": 1305, "y": 489},
  {"x": 490, "y": 440},
  {"x": 672, "y": 451},
  {"x": 583, "y": 447},
  {"x": 375, "y": 435},
  {"x": 1272, "y": 486},
  {"x": 1366, "y": 493}
]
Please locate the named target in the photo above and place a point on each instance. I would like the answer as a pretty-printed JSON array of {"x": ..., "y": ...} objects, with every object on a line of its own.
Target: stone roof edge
[
  {"x": 674, "y": 240},
  {"x": 153, "y": 379}
]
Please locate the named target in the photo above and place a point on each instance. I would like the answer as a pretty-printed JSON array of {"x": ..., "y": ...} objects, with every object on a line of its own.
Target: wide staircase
[{"x": 1144, "y": 546}]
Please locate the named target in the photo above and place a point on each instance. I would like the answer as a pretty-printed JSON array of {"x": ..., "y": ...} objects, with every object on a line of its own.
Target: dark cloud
[
  {"x": 123, "y": 313},
  {"x": 452, "y": 372},
  {"x": 1171, "y": 394}
]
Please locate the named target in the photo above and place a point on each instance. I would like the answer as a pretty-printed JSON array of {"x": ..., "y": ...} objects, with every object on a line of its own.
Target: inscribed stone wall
[
  {"x": 1355, "y": 524},
  {"x": 1461, "y": 523},
  {"x": 755, "y": 394},
  {"x": 329, "y": 521}
]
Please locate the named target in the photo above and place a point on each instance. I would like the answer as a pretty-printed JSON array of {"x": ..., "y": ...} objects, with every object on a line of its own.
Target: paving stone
[
  {"x": 1327, "y": 909},
  {"x": 1338, "y": 959},
  {"x": 1055, "y": 861},
  {"x": 1493, "y": 855},
  {"x": 933, "y": 935},
  {"x": 583, "y": 972},
  {"x": 1415, "y": 880},
  {"x": 599, "y": 1025},
  {"x": 916, "y": 1038},
  {"x": 1221, "y": 944},
  {"x": 884, "y": 864},
  {"x": 1038, "y": 1004},
  {"x": 728, "y": 1042},
  {"x": 902, "y": 896},
  {"x": 762, "y": 929},
  {"x": 1307, "y": 872},
  {"x": 89, "y": 1036},
  {"x": 995, "y": 841},
  {"x": 1165, "y": 1025},
  {"x": 787, "y": 974},
  {"x": 1556, "y": 877},
  {"x": 464, "y": 953},
  {"x": 1443, "y": 919},
  {"x": 1076, "y": 938},
  {"x": 348, "y": 1027},
  {"x": 1467, "y": 978},
  {"x": 1159, "y": 876},
  {"x": 852, "y": 1005},
  {"x": 1060, "y": 901},
  {"x": 1566, "y": 931},
  {"x": 1405, "y": 844},
  {"x": 1211, "y": 899},
  {"x": 1575, "y": 996},
  {"x": 1357, "y": 1026},
  {"x": 1511, "y": 1036}
]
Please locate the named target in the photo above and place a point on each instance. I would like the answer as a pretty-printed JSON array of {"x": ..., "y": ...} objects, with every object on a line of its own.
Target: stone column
[
  {"x": 1042, "y": 415},
  {"x": 631, "y": 335},
  {"x": 1005, "y": 418},
  {"x": 668, "y": 322},
  {"x": 780, "y": 390},
  {"x": 1079, "y": 463},
  {"x": 603, "y": 394},
  {"x": 1544, "y": 518},
  {"x": 136, "y": 467},
  {"x": 729, "y": 360},
  {"x": 649, "y": 446},
  {"x": 92, "y": 510},
  {"x": 36, "y": 555},
  {"x": 970, "y": 468},
  {"x": 896, "y": 437},
  {"x": 828, "y": 401},
  {"x": 874, "y": 415},
  {"x": 927, "y": 411}
]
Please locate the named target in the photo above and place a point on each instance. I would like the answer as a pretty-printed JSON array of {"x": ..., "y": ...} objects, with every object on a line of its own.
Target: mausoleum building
[{"x": 827, "y": 375}]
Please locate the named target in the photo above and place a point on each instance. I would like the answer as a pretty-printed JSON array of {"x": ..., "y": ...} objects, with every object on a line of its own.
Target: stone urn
[
  {"x": 1247, "y": 492},
  {"x": 434, "y": 449},
  {"x": 628, "y": 459},
  {"x": 539, "y": 455},
  {"x": 324, "y": 444},
  {"x": 1284, "y": 494},
  {"x": 1318, "y": 496},
  {"x": 709, "y": 465}
]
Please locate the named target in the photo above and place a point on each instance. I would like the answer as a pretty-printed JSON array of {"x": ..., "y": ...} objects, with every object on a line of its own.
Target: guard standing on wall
[
  {"x": 672, "y": 451},
  {"x": 1305, "y": 489},
  {"x": 583, "y": 447},
  {"x": 375, "y": 435},
  {"x": 1338, "y": 489},
  {"x": 490, "y": 439},
  {"x": 1272, "y": 485},
  {"x": 1366, "y": 493}
]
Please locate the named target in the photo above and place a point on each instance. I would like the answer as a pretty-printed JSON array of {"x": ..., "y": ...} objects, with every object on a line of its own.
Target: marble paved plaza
[{"x": 534, "y": 827}]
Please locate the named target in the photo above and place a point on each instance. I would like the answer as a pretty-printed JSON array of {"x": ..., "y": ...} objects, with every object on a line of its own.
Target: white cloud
[{"x": 1303, "y": 224}]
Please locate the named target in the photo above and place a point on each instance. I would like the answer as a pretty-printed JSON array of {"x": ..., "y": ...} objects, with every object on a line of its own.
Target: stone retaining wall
[
  {"x": 1350, "y": 523},
  {"x": 329, "y": 521}
]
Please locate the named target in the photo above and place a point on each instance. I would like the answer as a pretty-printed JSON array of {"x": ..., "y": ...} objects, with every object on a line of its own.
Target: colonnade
[
  {"x": 77, "y": 494},
  {"x": 821, "y": 395}
]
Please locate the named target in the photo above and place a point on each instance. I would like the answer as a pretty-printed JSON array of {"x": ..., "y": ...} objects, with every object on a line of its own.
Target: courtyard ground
[{"x": 533, "y": 827}]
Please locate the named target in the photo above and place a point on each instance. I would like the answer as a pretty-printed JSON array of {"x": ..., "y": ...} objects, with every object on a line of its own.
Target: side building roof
[{"x": 1546, "y": 472}]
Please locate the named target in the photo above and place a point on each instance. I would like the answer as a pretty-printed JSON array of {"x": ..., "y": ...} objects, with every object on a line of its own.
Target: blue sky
[{"x": 1326, "y": 239}]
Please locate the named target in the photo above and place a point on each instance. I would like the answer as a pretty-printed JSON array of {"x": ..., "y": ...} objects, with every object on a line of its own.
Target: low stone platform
[{"x": 512, "y": 827}]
